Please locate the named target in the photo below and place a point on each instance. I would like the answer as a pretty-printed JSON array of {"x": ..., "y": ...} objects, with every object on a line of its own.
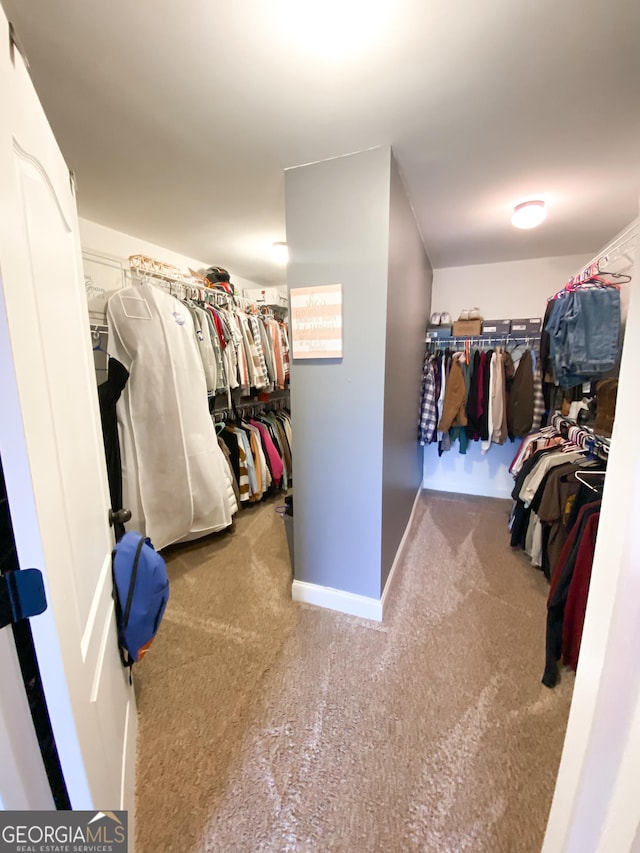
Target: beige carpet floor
[{"x": 271, "y": 726}]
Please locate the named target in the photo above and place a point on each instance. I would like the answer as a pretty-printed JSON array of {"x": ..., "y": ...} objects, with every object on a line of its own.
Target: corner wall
[
  {"x": 408, "y": 307},
  {"x": 337, "y": 216}
]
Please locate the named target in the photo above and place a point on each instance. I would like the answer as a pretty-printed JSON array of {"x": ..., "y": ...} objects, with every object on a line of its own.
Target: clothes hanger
[
  {"x": 586, "y": 473},
  {"x": 621, "y": 277},
  {"x": 97, "y": 336}
]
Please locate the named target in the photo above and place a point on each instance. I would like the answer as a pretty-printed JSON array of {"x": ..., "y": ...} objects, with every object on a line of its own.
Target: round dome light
[
  {"x": 280, "y": 253},
  {"x": 529, "y": 214}
]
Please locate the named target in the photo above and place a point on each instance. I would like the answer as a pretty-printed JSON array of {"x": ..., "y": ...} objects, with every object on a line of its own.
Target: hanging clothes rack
[
  {"x": 620, "y": 247},
  {"x": 485, "y": 340},
  {"x": 583, "y": 435}
]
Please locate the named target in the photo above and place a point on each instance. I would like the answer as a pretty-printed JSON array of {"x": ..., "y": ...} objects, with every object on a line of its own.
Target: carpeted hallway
[{"x": 270, "y": 726}]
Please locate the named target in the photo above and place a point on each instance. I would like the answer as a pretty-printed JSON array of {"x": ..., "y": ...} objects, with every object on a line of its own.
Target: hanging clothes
[
  {"x": 475, "y": 401},
  {"x": 176, "y": 480},
  {"x": 428, "y": 404},
  {"x": 260, "y": 453},
  {"x": 475, "y": 394},
  {"x": 583, "y": 327},
  {"x": 108, "y": 395},
  {"x": 575, "y": 563},
  {"x": 454, "y": 399}
]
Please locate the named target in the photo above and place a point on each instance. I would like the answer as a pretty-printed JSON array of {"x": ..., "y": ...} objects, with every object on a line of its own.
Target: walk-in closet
[{"x": 319, "y": 329}]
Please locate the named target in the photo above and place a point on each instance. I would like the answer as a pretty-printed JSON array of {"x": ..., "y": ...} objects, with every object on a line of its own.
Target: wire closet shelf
[{"x": 484, "y": 340}]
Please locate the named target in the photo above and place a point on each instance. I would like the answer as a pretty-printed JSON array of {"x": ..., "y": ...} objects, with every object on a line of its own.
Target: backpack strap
[
  {"x": 125, "y": 657},
  {"x": 132, "y": 582}
]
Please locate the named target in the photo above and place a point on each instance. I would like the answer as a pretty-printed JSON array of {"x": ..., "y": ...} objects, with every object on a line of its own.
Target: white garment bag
[{"x": 175, "y": 478}]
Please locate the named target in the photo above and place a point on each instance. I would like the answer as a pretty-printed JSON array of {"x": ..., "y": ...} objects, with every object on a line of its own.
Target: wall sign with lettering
[{"x": 316, "y": 321}]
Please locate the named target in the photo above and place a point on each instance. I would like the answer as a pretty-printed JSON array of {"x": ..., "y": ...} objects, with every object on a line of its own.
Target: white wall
[
  {"x": 506, "y": 290},
  {"x": 471, "y": 473},
  {"x": 116, "y": 244}
]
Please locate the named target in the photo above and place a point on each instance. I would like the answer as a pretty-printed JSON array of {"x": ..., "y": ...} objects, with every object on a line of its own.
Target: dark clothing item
[
  {"x": 231, "y": 441},
  {"x": 546, "y": 363},
  {"x": 576, "y": 605},
  {"x": 475, "y": 397},
  {"x": 606, "y": 394},
  {"x": 584, "y": 496},
  {"x": 520, "y": 524},
  {"x": 234, "y": 480},
  {"x": 522, "y": 513},
  {"x": 520, "y": 411},
  {"x": 108, "y": 395},
  {"x": 560, "y": 584},
  {"x": 559, "y": 485}
]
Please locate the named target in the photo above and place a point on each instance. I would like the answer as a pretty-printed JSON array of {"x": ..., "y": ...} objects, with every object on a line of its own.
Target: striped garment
[
  {"x": 262, "y": 375},
  {"x": 284, "y": 337},
  {"x": 538, "y": 400}
]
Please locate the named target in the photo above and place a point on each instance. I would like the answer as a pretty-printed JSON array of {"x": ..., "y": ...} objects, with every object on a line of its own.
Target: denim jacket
[{"x": 584, "y": 332}]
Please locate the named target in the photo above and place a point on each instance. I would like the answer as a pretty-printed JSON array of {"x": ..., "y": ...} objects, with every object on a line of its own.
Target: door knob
[{"x": 121, "y": 516}]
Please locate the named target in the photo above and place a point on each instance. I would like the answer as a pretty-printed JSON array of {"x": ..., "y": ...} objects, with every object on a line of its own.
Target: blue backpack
[{"x": 141, "y": 592}]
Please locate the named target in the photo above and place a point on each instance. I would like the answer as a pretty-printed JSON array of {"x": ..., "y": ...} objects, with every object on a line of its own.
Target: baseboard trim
[
  {"x": 337, "y": 599},
  {"x": 449, "y": 488},
  {"x": 400, "y": 552}
]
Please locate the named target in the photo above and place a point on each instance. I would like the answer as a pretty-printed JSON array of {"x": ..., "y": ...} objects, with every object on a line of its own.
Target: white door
[{"x": 52, "y": 454}]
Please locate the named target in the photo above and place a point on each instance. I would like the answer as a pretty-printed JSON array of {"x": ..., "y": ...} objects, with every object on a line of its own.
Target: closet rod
[
  {"x": 194, "y": 289},
  {"x": 598, "y": 442},
  {"x": 611, "y": 253},
  {"x": 139, "y": 275},
  {"x": 185, "y": 281},
  {"x": 502, "y": 340}
]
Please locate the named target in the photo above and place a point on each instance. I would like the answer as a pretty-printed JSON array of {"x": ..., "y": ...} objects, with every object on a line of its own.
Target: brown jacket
[
  {"x": 455, "y": 400},
  {"x": 606, "y": 392},
  {"x": 520, "y": 412}
]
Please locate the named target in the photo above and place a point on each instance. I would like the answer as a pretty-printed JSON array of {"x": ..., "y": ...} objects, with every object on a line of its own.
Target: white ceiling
[{"x": 180, "y": 117}]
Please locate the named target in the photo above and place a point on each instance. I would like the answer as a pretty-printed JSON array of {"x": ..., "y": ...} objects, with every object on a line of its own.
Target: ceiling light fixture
[
  {"x": 529, "y": 214},
  {"x": 280, "y": 253},
  {"x": 334, "y": 29}
]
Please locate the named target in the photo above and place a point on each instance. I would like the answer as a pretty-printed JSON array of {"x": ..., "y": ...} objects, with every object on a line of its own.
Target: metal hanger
[
  {"x": 587, "y": 473},
  {"x": 97, "y": 336},
  {"x": 621, "y": 277}
]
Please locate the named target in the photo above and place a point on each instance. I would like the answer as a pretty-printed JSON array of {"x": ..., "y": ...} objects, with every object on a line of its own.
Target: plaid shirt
[{"x": 428, "y": 404}]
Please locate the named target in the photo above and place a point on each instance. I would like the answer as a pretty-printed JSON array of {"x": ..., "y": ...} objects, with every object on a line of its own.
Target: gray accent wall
[
  {"x": 357, "y": 465},
  {"x": 408, "y": 308},
  {"x": 337, "y": 215}
]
